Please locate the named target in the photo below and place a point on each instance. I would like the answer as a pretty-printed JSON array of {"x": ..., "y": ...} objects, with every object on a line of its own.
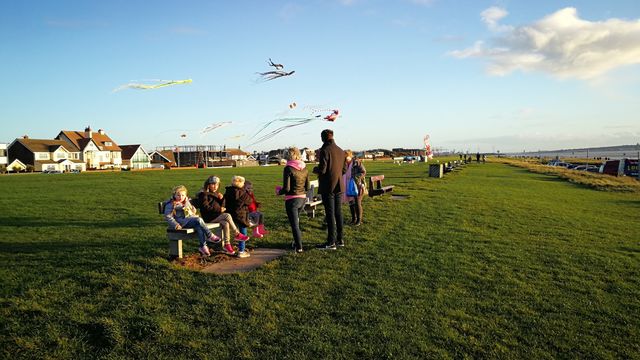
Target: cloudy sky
[{"x": 475, "y": 75}]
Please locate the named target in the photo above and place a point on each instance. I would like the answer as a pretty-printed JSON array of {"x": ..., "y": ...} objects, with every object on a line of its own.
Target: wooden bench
[
  {"x": 313, "y": 199},
  {"x": 376, "y": 188},
  {"x": 176, "y": 236}
]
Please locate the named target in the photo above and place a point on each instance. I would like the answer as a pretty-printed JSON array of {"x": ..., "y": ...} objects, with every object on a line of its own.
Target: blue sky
[{"x": 474, "y": 75}]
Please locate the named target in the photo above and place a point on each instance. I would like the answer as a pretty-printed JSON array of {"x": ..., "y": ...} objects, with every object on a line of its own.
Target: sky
[{"x": 474, "y": 75}]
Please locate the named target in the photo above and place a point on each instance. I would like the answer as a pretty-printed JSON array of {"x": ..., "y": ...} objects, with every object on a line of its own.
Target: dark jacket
[
  {"x": 295, "y": 179},
  {"x": 358, "y": 171},
  {"x": 237, "y": 201},
  {"x": 331, "y": 167},
  {"x": 210, "y": 205}
]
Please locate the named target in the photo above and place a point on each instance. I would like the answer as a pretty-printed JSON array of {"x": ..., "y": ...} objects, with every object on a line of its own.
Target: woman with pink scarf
[{"x": 295, "y": 183}]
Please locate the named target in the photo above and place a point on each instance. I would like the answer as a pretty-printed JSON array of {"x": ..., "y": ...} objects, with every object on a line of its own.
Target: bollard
[{"x": 435, "y": 170}]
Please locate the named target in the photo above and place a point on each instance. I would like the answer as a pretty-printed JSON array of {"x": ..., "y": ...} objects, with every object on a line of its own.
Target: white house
[
  {"x": 95, "y": 149},
  {"x": 44, "y": 154},
  {"x": 135, "y": 157}
]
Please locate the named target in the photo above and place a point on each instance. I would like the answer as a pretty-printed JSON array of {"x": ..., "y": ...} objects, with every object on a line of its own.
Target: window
[
  {"x": 3, "y": 152},
  {"x": 43, "y": 156},
  {"x": 107, "y": 143}
]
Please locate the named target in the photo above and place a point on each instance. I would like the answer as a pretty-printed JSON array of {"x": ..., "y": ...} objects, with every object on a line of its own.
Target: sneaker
[
  {"x": 214, "y": 238},
  {"x": 340, "y": 244},
  {"x": 204, "y": 250},
  {"x": 326, "y": 247},
  {"x": 299, "y": 251},
  {"x": 243, "y": 254},
  {"x": 228, "y": 249},
  {"x": 241, "y": 237}
]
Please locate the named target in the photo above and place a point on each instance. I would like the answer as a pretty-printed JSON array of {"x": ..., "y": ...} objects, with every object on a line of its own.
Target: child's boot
[
  {"x": 262, "y": 230},
  {"x": 256, "y": 233}
]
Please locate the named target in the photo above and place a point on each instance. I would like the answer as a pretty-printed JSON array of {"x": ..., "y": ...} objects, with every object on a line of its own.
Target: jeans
[
  {"x": 333, "y": 214},
  {"x": 200, "y": 227},
  {"x": 294, "y": 207}
]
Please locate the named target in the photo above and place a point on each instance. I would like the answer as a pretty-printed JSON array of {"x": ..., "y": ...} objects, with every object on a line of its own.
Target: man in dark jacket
[{"x": 331, "y": 167}]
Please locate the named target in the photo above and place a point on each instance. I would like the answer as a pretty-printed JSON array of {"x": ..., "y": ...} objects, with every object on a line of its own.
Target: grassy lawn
[{"x": 490, "y": 261}]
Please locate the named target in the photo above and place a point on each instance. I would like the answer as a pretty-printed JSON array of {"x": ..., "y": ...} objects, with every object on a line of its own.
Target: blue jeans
[
  {"x": 200, "y": 227},
  {"x": 294, "y": 207},
  {"x": 333, "y": 214}
]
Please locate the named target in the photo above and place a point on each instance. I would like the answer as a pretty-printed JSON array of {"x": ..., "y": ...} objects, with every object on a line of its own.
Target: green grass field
[{"x": 490, "y": 261}]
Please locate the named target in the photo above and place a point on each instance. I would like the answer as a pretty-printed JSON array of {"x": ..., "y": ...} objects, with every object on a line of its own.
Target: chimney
[
  {"x": 101, "y": 132},
  {"x": 87, "y": 132}
]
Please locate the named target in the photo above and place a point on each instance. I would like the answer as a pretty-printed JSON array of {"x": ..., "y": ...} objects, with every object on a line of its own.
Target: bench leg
[{"x": 175, "y": 249}]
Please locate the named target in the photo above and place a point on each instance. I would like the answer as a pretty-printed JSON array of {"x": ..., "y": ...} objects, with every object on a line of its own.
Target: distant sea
[{"x": 611, "y": 152}]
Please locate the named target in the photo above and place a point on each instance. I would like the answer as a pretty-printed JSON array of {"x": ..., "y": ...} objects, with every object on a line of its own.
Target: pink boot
[
  {"x": 241, "y": 237},
  {"x": 256, "y": 233},
  {"x": 262, "y": 230}
]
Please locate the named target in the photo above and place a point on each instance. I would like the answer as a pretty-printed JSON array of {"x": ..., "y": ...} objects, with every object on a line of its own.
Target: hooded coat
[
  {"x": 295, "y": 180},
  {"x": 237, "y": 201}
]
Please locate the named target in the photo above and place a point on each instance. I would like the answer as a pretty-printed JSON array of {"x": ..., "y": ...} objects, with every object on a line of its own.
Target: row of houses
[{"x": 78, "y": 151}]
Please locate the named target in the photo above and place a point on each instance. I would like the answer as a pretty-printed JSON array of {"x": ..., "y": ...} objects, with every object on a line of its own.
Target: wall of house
[
  {"x": 4, "y": 159},
  {"x": 140, "y": 160},
  {"x": 18, "y": 151}
]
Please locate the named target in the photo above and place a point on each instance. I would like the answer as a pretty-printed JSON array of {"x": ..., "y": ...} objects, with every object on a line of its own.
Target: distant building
[
  {"x": 162, "y": 158},
  {"x": 96, "y": 149},
  {"x": 44, "y": 154},
  {"x": 135, "y": 157},
  {"x": 208, "y": 155}
]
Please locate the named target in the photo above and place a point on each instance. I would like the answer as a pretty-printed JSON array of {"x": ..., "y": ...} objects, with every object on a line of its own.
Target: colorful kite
[
  {"x": 291, "y": 122},
  {"x": 214, "y": 126},
  {"x": 163, "y": 83},
  {"x": 427, "y": 147}
]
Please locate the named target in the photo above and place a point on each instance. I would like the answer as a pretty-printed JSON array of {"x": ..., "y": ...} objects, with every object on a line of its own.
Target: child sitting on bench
[
  {"x": 237, "y": 201},
  {"x": 180, "y": 214}
]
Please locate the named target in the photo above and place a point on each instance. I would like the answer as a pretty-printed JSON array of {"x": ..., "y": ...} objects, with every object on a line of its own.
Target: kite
[
  {"x": 277, "y": 66},
  {"x": 214, "y": 126},
  {"x": 292, "y": 105},
  {"x": 333, "y": 116},
  {"x": 271, "y": 75},
  {"x": 427, "y": 147},
  {"x": 236, "y": 137},
  {"x": 291, "y": 122},
  {"x": 163, "y": 83},
  {"x": 183, "y": 135}
]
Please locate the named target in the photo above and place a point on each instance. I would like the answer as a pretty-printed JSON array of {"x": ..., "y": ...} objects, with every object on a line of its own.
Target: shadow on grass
[{"x": 48, "y": 222}]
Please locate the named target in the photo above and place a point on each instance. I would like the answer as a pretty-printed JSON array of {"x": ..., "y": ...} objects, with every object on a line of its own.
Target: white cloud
[
  {"x": 492, "y": 15},
  {"x": 560, "y": 44}
]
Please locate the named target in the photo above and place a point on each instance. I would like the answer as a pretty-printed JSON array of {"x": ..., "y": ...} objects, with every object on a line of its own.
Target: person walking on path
[{"x": 331, "y": 167}]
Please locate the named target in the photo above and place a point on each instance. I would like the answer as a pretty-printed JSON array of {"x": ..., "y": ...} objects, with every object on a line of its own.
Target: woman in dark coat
[{"x": 295, "y": 184}]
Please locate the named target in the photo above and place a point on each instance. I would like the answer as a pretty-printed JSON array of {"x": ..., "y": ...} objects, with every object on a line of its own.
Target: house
[
  {"x": 4, "y": 160},
  {"x": 45, "y": 154},
  {"x": 236, "y": 154},
  {"x": 16, "y": 166},
  {"x": 135, "y": 157},
  {"x": 95, "y": 149},
  {"x": 162, "y": 158}
]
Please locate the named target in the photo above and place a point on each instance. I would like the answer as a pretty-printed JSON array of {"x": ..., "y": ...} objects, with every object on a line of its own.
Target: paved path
[{"x": 258, "y": 258}]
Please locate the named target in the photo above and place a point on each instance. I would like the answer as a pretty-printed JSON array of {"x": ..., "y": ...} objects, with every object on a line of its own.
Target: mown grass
[
  {"x": 593, "y": 180},
  {"x": 490, "y": 261}
]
